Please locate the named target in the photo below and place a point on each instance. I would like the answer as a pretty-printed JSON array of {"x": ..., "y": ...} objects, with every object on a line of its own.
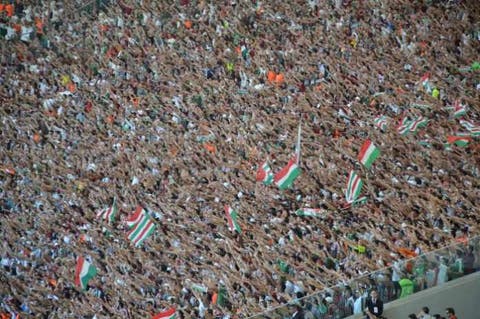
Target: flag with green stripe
[
  {"x": 141, "y": 230},
  {"x": 232, "y": 217},
  {"x": 287, "y": 175},
  {"x": 354, "y": 187},
  {"x": 84, "y": 271},
  {"x": 368, "y": 153},
  {"x": 108, "y": 214}
]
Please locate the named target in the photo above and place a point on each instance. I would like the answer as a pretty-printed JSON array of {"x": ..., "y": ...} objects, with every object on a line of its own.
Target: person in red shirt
[{"x": 450, "y": 313}]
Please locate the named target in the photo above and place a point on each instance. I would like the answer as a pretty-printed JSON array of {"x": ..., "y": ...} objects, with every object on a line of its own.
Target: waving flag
[
  {"x": 368, "y": 153},
  {"x": 472, "y": 128},
  {"x": 404, "y": 127},
  {"x": 143, "y": 227},
  {"x": 136, "y": 216},
  {"x": 285, "y": 177},
  {"x": 232, "y": 217},
  {"x": 309, "y": 212},
  {"x": 84, "y": 271},
  {"x": 461, "y": 141},
  {"x": 265, "y": 174},
  {"x": 109, "y": 213},
  {"x": 354, "y": 187},
  {"x": 417, "y": 123},
  {"x": 381, "y": 122},
  {"x": 167, "y": 314},
  {"x": 459, "y": 110}
]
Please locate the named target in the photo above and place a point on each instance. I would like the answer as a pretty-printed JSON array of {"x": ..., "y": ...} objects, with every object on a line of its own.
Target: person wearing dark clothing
[{"x": 374, "y": 306}]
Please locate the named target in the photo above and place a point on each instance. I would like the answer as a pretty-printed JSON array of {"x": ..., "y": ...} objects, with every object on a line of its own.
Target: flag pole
[{"x": 299, "y": 137}]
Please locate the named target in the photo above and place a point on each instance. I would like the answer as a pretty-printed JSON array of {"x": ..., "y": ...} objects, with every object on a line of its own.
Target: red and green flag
[
  {"x": 232, "y": 218},
  {"x": 142, "y": 229},
  {"x": 368, "y": 153},
  {"x": 472, "y": 128},
  {"x": 108, "y": 214},
  {"x": 354, "y": 187},
  {"x": 459, "y": 109},
  {"x": 167, "y": 314},
  {"x": 381, "y": 122},
  {"x": 135, "y": 217},
  {"x": 84, "y": 271},
  {"x": 461, "y": 141},
  {"x": 287, "y": 175},
  {"x": 265, "y": 174}
]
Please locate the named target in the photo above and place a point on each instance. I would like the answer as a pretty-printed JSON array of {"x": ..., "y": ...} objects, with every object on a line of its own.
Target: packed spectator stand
[{"x": 174, "y": 106}]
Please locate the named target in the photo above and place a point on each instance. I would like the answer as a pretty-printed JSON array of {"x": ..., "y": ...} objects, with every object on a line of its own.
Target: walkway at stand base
[{"x": 462, "y": 294}]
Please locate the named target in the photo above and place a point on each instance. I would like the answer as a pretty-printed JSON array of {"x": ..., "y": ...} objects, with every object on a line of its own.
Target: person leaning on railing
[{"x": 374, "y": 306}]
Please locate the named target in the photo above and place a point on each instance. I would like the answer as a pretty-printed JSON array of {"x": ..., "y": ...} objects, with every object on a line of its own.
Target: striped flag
[
  {"x": 167, "y": 314},
  {"x": 265, "y": 174},
  {"x": 360, "y": 201},
  {"x": 368, "y": 153},
  {"x": 84, "y": 271},
  {"x": 472, "y": 128},
  {"x": 109, "y": 213},
  {"x": 417, "y": 123},
  {"x": 459, "y": 110},
  {"x": 299, "y": 143},
  {"x": 135, "y": 217},
  {"x": 461, "y": 141},
  {"x": 309, "y": 212},
  {"x": 142, "y": 229},
  {"x": 354, "y": 187},
  {"x": 232, "y": 217},
  {"x": 404, "y": 127},
  {"x": 285, "y": 177},
  {"x": 381, "y": 122}
]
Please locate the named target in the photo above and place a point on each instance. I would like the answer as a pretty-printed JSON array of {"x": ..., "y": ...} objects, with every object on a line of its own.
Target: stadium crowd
[{"x": 174, "y": 105}]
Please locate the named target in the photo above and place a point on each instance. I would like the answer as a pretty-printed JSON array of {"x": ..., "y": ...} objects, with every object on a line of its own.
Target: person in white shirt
[{"x": 424, "y": 313}]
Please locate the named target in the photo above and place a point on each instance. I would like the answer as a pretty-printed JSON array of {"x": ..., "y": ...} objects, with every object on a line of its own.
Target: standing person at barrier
[
  {"x": 424, "y": 313},
  {"x": 374, "y": 306},
  {"x": 450, "y": 313}
]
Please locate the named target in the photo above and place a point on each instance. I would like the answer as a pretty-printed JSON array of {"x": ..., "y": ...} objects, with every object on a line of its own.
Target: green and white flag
[
  {"x": 354, "y": 187},
  {"x": 285, "y": 177},
  {"x": 232, "y": 217},
  {"x": 309, "y": 212},
  {"x": 143, "y": 228},
  {"x": 84, "y": 271},
  {"x": 265, "y": 174},
  {"x": 368, "y": 153},
  {"x": 109, "y": 213}
]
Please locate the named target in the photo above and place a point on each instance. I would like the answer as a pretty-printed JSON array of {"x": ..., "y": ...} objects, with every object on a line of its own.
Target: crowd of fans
[{"x": 173, "y": 105}]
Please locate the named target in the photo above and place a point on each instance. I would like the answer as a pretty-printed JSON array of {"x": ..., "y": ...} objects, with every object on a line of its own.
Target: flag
[
  {"x": 381, "y": 122},
  {"x": 461, "y": 141},
  {"x": 309, "y": 212},
  {"x": 84, "y": 271},
  {"x": 362, "y": 200},
  {"x": 404, "y": 127},
  {"x": 459, "y": 109},
  {"x": 141, "y": 230},
  {"x": 265, "y": 174},
  {"x": 285, "y": 177},
  {"x": 368, "y": 153},
  {"x": 417, "y": 123},
  {"x": 354, "y": 187},
  {"x": 136, "y": 216},
  {"x": 472, "y": 128},
  {"x": 232, "y": 219},
  {"x": 109, "y": 213},
  {"x": 167, "y": 314}
]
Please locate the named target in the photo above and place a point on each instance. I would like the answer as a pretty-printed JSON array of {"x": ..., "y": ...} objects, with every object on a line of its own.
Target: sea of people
[{"x": 174, "y": 105}]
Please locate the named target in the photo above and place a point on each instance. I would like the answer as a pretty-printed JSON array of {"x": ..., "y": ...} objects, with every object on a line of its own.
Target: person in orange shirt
[{"x": 9, "y": 9}]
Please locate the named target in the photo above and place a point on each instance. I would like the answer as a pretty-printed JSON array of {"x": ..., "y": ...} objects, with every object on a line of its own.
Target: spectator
[
  {"x": 450, "y": 313},
  {"x": 374, "y": 306},
  {"x": 424, "y": 313}
]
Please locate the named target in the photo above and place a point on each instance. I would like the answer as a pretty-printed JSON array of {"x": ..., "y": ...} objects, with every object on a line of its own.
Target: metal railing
[{"x": 411, "y": 275}]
